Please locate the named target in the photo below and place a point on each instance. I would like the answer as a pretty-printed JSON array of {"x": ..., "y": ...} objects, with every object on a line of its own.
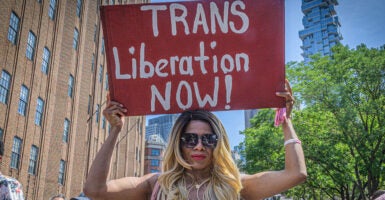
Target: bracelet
[{"x": 294, "y": 140}]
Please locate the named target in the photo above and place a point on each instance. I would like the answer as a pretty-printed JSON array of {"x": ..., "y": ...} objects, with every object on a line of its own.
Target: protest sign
[{"x": 213, "y": 55}]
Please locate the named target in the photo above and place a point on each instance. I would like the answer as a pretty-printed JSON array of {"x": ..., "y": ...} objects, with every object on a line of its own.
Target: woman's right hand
[{"x": 114, "y": 113}]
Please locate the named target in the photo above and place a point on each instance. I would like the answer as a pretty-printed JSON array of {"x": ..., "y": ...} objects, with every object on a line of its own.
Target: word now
[
  {"x": 235, "y": 9},
  {"x": 184, "y": 86}
]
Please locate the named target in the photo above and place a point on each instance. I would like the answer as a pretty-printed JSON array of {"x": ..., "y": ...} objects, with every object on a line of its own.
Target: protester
[
  {"x": 81, "y": 196},
  {"x": 58, "y": 197},
  {"x": 378, "y": 195},
  {"x": 197, "y": 163},
  {"x": 10, "y": 188}
]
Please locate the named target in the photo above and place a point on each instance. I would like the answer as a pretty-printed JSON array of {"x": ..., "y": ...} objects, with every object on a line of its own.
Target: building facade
[
  {"x": 248, "y": 115},
  {"x": 321, "y": 27},
  {"x": 155, "y": 146},
  {"x": 53, "y": 87},
  {"x": 161, "y": 125}
]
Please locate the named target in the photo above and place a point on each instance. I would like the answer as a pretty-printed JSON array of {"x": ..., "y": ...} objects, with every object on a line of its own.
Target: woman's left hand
[{"x": 289, "y": 99}]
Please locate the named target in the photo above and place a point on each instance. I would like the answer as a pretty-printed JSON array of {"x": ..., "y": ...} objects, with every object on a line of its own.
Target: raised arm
[
  {"x": 266, "y": 184},
  {"x": 97, "y": 186}
]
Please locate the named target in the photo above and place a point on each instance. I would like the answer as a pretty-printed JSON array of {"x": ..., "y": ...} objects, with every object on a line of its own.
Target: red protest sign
[{"x": 213, "y": 55}]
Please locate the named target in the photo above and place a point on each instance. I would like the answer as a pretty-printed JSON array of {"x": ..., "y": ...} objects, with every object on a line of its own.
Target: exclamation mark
[{"x": 229, "y": 86}]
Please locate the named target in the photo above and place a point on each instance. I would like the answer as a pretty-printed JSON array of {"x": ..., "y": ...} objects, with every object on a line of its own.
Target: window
[
  {"x": 61, "y": 172},
  {"x": 52, "y": 9},
  {"x": 16, "y": 149},
  {"x": 93, "y": 62},
  {"x": 97, "y": 113},
  {"x": 95, "y": 29},
  {"x": 155, "y": 152},
  {"x": 100, "y": 73},
  {"x": 154, "y": 171},
  {"x": 89, "y": 104},
  {"x": 106, "y": 82},
  {"x": 102, "y": 50},
  {"x": 70, "y": 85},
  {"x": 45, "y": 62},
  {"x": 155, "y": 163},
  {"x": 79, "y": 8},
  {"x": 23, "y": 101},
  {"x": 103, "y": 122},
  {"x": 4, "y": 86},
  {"x": 1, "y": 134},
  {"x": 66, "y": 130},
  {"x": 30, "y": 52},
  {"x": 137, "y": 153},
  {"x": 33, "y": 160},
  {"x": 13, "y": 28},
  {"x": 39, "y": 111},
  {"x": 76, "y": 39}
]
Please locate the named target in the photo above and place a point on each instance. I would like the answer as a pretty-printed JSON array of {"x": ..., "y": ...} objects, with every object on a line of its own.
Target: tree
[{"x": 341, "y": 124}]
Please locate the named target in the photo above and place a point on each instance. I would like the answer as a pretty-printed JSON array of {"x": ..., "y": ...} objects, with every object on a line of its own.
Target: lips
[{"x": 198, "y": 157}]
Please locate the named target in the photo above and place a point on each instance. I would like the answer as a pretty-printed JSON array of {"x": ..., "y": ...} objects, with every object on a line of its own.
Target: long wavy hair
[{"x": 225, "y": 180}]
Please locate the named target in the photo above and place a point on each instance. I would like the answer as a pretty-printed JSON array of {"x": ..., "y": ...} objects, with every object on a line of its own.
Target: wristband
[{"x": 294, "y": 140}]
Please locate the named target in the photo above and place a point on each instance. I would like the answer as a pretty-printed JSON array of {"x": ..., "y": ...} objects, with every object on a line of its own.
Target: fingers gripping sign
[
  {"x": 114, "y": 113},
  {"x": 289, "y": 99}
]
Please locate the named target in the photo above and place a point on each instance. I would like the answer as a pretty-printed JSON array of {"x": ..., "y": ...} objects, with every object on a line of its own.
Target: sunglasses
[{"x": 190, "y": 140}]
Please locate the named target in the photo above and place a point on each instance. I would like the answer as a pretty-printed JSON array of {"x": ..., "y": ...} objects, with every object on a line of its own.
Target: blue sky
[{"x": 361, "y": 22}]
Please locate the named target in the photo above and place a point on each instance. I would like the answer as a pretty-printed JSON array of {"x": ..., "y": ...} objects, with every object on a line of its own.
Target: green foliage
[{"x": 341, "y": 124}]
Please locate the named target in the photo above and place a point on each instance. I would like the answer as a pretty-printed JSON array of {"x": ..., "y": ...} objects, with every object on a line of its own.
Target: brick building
[
  {"x": 155, "y": 147},
  {"x": 53, "y": 85}
]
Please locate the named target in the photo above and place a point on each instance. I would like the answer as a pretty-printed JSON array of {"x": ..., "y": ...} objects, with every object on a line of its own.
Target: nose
[{"x": 199, "y": 146}]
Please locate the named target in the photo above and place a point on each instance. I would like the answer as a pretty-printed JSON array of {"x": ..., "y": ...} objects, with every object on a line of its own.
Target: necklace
[{"x": 198, "y": 186}]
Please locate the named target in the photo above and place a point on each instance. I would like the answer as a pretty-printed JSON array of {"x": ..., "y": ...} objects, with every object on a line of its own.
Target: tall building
[
  {"x": 53, "y": 87},
  {"x": 238, "y": 154},
  {"x": 321, "y": 27},
  {"x": 248, "y": 115},
  {"x": 155, "y": 146},
  {"x": 161, "y": 125}
]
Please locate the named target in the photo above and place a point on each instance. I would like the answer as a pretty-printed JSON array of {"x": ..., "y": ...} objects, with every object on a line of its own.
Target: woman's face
[{"x": 198, "y": 156}]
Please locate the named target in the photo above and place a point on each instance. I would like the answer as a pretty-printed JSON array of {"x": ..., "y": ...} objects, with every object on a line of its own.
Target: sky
[{"x": 361, "y": 22}]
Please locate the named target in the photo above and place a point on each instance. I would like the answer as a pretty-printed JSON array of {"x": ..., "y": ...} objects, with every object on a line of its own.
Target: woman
[{"x": 197, "y": 163}]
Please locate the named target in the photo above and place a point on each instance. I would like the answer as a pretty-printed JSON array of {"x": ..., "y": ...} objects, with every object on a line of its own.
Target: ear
[{"x": 1, "y": 158}]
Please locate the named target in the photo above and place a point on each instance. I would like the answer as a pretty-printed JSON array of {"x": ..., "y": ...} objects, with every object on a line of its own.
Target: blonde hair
[{"x": 225, "y": 180}]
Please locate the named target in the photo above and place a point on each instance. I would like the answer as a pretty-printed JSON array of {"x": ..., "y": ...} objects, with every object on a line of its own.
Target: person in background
[
  {"x": 80, "y": 197},
  {"x": 10, "y": 188},
  {"x": 378, "y": 195},
  {"x": 197, "y": 163},
  {"x": 58, "y": 197}
]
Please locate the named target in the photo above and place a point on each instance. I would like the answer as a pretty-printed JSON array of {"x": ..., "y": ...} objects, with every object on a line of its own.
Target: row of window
[
  {"x": 13, "y": 32},
  {"x": 33, "y": 157},
  {"x": 23, "y": 101},
  {"x": 155, "y": 163},
  {"x": 31, "y": 43},
  {"x": 5, "y": 82},
  {"x": 52, "y": 8}
]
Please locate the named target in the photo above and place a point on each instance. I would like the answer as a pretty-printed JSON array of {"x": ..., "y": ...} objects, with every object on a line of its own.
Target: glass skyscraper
[
  {"x": 161, "y": 125},
  {"x": 321, "y": 27}
]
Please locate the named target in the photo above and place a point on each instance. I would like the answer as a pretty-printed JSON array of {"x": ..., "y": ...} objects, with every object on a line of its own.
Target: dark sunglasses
[{"x": 190, "y": 140}]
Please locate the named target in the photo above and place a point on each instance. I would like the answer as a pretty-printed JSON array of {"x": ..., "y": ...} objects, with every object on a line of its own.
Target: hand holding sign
[
  {"x": 114, "y": 113},
  {"x": 213, "y": 55}
]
